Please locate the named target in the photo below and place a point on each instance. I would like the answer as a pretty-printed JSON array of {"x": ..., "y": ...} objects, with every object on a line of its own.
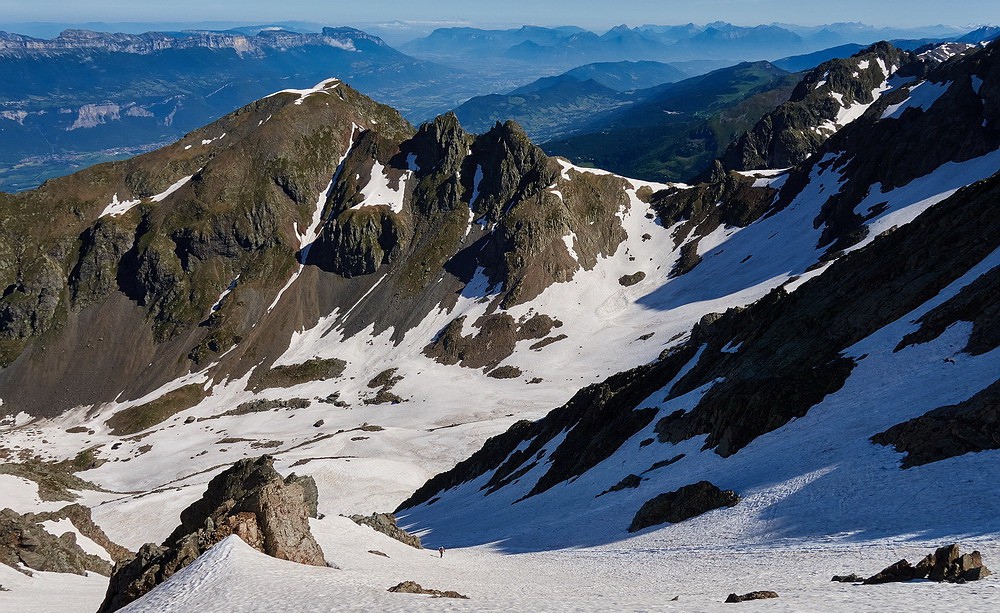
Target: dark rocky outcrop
[
  {"x": 495, "y": 341},
  {"x": 358, "y": 241},
  {"x": 627, "y": 482},
  {"x": 250, "y": 500},
  {"x": 81, "y": 518},
  {"x": 947, "y": 432},
  {"x": 412, "y": 587},
  {"x": 796, "y": 129},
  {"x": 386, "y": 524},
  {"x": 23, "y": 541},
  {"x": 632, "y": 279},
  {"x": 946, "y": 564},
  {"x": 383, "y": 383},
  {"x": 851, "y": 578},
  {"x": 759, "y": 595},
  {"x": 684, "y": 503}
]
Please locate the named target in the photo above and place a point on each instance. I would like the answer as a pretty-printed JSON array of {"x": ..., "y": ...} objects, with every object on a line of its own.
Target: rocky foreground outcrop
[{"x": 250, "y": 500}]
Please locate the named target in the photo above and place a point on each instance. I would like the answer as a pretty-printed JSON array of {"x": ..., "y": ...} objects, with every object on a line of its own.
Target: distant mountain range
[
  {"x": 87, "y": 96},
  {"x": 567, "y": 46},
  {"x": 552, "y": 107},
  {"x": 83, "y": 97}
]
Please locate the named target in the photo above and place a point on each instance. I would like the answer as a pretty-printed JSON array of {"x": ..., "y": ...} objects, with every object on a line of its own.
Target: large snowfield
[{"x": 818, "y": 498}]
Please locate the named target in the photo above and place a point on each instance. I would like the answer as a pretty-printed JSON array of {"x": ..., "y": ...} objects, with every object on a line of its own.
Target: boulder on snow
[
  {"x": 900, "y": 571},
  {"x": 249, "y": 499},
  {"x": 386, "y": 524},
  {"x": 945, "y": 564},
  {"x": 412, "y": 587},
  {"x": 685, "y": 503},
  {"x": 758, "y": 595}
]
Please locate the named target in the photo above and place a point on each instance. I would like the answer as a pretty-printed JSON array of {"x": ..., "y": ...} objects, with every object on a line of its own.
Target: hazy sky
[{"x": 591, "y": 13}]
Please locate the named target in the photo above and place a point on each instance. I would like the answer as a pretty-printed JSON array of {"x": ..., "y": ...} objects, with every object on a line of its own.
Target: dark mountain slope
[{"x": 675, "y": 131}]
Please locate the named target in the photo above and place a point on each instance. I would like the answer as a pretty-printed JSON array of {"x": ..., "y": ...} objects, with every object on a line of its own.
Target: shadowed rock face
[
  {"x": 684, "y": 503},
  {"x": 947, "y": 432},
  {"x": 250, "y": 500}
]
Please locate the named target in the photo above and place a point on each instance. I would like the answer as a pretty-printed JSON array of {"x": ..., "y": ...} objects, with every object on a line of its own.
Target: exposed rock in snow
[
  {"x": 249, "y": 500},
  {"x": 684, "y": 503}
]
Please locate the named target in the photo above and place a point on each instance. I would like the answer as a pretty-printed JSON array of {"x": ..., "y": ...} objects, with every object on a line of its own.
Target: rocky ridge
[
  {"x": 827, "y": 98},
  {"x": 329, "y": 181}
]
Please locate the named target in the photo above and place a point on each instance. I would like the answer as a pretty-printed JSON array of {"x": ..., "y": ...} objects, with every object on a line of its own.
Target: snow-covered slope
[{"x": 779, "y": 401}]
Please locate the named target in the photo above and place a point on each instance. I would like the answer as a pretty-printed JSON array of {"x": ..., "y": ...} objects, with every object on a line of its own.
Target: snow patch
[
  {"x": 322, "y": 87},
  {"x": 116, "y": 207},
  {"x": 922, "y": 96},
  {"x": 378, "y": 192},
  {"x": 173, "y": 188}
]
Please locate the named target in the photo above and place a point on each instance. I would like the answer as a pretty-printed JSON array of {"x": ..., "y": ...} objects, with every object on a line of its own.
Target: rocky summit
[{"x": 249, "y": 500}]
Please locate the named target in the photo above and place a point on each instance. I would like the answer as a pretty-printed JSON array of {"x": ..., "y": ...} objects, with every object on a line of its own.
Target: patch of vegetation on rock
[
  {"x": 141, "y": 417},
  {"x": 56, "y": 479},
  {"x": 315, "y": 369},
  {"x": 505, "y": 372},
  {"x": 260, "y": 406}
]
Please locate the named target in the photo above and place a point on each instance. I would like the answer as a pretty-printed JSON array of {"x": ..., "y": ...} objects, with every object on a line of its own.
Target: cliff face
[{"x": 152, "y": 42}]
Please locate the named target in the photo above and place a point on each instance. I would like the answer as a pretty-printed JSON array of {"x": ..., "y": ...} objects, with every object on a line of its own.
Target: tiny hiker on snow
[{"x": 441, "y": 551}]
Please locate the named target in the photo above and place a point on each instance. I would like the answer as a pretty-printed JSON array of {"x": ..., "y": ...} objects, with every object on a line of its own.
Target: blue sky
[{"x": 591, "y": 13}]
